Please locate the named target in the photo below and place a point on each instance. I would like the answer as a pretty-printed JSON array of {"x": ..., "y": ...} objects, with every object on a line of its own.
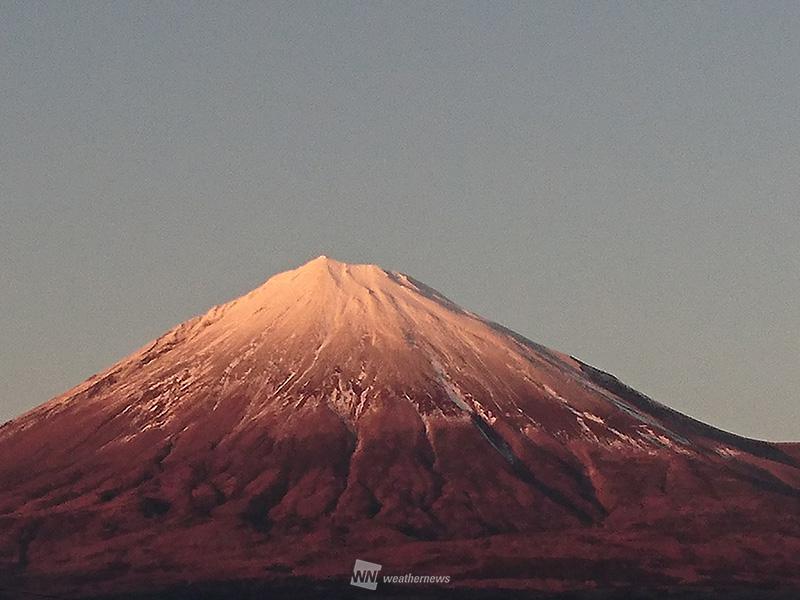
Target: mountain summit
[{"x": 342, "y": 411}]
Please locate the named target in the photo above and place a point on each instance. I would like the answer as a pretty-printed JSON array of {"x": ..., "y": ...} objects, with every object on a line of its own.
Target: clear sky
[{"x": 617, "y": 181}]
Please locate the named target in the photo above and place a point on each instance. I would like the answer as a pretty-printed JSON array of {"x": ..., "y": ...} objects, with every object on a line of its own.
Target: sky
[{"x": 618, "y": 181}]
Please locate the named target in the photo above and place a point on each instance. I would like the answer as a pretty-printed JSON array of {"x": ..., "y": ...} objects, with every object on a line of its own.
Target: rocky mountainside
[{"x": 342, "y": 411}]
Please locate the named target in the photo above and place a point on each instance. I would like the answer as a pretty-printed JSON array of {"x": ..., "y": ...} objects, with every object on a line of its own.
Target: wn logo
[{"x": 365, "y": 575}]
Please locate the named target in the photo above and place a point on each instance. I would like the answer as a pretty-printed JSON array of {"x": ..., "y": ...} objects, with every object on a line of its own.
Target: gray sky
[{"x": 617, "y": 181}]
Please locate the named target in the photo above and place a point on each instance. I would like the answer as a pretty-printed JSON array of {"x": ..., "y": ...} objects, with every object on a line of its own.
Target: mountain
[{"x": 343, "y": 411}]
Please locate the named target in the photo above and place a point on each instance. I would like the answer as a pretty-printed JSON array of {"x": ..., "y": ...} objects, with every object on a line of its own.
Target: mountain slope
[{"x": 344, "y": 406}]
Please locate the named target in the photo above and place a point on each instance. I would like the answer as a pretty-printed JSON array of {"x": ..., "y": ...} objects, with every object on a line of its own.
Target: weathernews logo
[{"x": 366, "y": 576}]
